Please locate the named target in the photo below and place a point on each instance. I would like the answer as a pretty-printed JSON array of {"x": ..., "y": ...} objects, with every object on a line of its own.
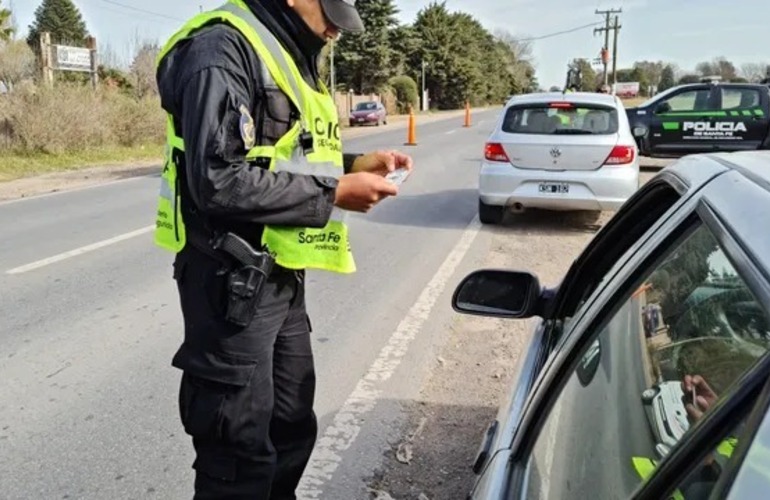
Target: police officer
[{"x": 254, "y": 192}]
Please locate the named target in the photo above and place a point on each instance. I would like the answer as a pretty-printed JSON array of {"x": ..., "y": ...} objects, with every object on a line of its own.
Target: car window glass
[
  {"x": 692, "y": 100},
  {"x": 754, "y": 474},
  {"x": 699, "y": 483},
  {"x": 576, "y": 119},
  {"x": 739, "y": 99},
  {"x": 689, "y": 331}
]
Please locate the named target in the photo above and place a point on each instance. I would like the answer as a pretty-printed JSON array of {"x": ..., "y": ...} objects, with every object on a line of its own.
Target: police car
[{"x": 702, "y": 118}]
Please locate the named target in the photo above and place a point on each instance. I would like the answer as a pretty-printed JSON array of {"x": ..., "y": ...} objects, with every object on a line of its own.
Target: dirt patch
[
  {"x": 68, "y": 180},
  {"x": 475, "y": 368}
]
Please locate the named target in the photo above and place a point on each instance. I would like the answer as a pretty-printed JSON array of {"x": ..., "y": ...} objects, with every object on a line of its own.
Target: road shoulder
[
  {"x": 102, "y": 174},
  {"x": 444, "y": 426}
]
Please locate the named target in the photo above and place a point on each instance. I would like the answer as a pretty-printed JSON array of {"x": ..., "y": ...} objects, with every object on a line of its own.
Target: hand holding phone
[{"x": 397, "y": 176}]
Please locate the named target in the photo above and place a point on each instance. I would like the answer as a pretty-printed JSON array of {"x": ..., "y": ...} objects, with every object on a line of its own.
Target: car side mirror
[
  {"x": 502, "y": 294},
  {"x": 662, "y": 108}
]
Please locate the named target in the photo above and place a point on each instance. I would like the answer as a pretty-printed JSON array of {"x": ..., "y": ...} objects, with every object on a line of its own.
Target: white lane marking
[
  {"x": 344, "y": 430},
  {"x": 80, "y": 251},
  {"x": 451, "y": 132}
]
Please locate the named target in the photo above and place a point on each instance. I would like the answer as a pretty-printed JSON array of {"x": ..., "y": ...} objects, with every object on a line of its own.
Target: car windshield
[
  {"x": 366, "y": 106},
  {"x": 561, "y": 119}
]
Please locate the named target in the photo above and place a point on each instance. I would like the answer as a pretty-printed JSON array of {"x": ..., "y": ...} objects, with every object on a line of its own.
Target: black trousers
[{"x": 246, "y": 394}]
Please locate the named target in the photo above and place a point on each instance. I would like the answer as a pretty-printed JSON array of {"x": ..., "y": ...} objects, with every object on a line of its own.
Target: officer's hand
[
  {"x": 382, "y": 162},
  {"x": 361, "y": 191}
]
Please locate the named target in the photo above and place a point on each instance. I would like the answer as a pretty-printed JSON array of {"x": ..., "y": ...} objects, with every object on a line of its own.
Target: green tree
[
  {"x": 465, "y": 61},
  {"x": 406, "y": 92},
  {"x": 587, "y": 75},
  {"x": 62, "y": 19},
  {"x": 433, "y": 27},
  {"x": 719, "y": 66},
  {"x": 407, "y": 49},
  {"x": 650, "y": 73},
  {"x": 363, "y": 61},
  {"x": 689, "y": 78},
  {"x": 667, "y": 78},
  {"x": 517, "y": 58},
  {"x": 6, "y": 28}
]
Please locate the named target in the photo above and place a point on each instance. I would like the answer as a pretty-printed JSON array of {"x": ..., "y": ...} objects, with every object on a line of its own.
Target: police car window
[
  {"x": 740, "y": 99},
  {"x": 665, "y": 355},
  {"x": 692, "y": 100}
]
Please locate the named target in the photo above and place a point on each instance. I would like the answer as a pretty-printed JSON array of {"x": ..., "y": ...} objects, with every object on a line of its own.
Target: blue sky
[{"x": 682, "y": 31}]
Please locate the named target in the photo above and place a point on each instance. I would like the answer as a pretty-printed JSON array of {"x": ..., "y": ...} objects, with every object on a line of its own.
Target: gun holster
[{"x": 246, "y": 281}]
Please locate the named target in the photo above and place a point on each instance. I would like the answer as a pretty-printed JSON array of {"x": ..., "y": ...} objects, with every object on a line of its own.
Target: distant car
[
  {"x": 558, "y": 151},
  {"x": 368, "y": 113},
  {"x": 597, "y": 409}
]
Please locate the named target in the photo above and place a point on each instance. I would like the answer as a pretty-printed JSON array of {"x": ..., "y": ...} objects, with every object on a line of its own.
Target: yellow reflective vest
[{"x": 293, "y": 247}]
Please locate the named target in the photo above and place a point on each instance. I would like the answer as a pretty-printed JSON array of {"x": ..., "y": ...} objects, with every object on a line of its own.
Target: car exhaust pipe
[{"x": 518, "y": 208}]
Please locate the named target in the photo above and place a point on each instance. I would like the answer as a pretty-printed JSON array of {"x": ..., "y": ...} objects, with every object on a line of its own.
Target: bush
[
  {"x": 135, "y": 121},
  {"x": 406, "y": 92},
  {"x": 71, "y": 118}
]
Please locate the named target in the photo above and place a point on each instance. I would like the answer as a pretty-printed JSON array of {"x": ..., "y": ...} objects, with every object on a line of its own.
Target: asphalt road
[{"x": 90, "y": 321}]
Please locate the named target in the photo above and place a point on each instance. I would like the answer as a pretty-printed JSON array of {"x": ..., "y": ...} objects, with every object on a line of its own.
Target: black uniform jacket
[{"x": 205, "y": 82}]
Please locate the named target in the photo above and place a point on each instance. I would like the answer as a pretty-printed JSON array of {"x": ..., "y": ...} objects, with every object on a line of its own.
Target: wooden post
[
  {"x": 46, "y": 58},
  {"x": 91, "y": 45}
]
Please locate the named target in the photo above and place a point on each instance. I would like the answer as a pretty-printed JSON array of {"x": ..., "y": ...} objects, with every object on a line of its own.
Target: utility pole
[
  {"x": 422, "y": 96},
  {"x": 606, "y": 30},
  {"x": 616, "y": 29}
]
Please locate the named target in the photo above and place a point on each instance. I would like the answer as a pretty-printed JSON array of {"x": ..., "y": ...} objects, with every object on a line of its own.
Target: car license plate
[
  {"x": 360, "y": 119},
  {"x": 554, "y": 187}
]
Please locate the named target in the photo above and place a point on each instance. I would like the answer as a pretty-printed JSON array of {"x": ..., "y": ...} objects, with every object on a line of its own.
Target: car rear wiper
[{"x": 572, "y": 131}]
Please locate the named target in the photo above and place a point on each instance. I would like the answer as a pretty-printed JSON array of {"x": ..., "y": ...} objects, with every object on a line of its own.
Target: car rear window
[{"x": 561, "y": 119}]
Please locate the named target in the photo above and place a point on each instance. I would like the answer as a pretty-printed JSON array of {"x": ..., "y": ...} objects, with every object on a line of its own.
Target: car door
[
  {"x": 612, "y": 405},
  {"x": 671, "y": 127},
  {"x": 727, "y": 454},
  {"x": 648, "y": 209},
  {"x": 743, "y": 123}
]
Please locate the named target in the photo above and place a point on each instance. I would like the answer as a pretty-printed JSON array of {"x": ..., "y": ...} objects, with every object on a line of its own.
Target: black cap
[{"x": 343, "y": 14}]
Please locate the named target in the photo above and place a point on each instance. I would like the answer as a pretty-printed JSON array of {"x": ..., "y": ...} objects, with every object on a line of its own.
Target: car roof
[
  {"x": 573, "y": 97},
  {"x": 740, "y": 196}
]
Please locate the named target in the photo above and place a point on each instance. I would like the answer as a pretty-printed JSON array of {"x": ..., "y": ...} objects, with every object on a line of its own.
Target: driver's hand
[{"x": 705, "y": 397}]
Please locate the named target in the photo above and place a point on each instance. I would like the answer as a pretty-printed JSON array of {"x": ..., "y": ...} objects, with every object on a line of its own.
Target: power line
[
  {"x": 143, "y": 11},
  {"x": 558, "y": 33}
]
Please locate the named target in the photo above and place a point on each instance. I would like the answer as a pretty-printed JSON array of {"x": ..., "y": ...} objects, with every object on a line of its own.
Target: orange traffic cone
[
  {"x": 411, "y": 137},
  {"x": 467, "y": 114}
]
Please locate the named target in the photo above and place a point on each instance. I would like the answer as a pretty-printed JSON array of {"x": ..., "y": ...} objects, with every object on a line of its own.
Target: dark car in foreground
[
  {"x": 703, "y": 118},
  {"x": 606, "y": 404},
  {"x": 369, "y": 113}
]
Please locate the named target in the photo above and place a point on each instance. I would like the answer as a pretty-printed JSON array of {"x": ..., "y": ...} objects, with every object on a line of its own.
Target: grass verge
[{"x": 15, "y": 166}]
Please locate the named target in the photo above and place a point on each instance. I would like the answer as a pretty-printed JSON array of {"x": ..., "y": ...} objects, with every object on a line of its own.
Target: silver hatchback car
[{"x": 557, "y": 151}]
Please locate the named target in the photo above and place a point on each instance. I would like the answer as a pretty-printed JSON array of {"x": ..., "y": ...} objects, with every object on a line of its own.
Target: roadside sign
[
  {"x": 72, "y": 58},
  {"x": 627, "y": 89}
]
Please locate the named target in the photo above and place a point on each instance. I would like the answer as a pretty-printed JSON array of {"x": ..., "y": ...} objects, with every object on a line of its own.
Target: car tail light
[
  {"x": 621, "y": 155},
  {"x": 561, "y": 105},
  {"x": 493, "y": 151}
]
